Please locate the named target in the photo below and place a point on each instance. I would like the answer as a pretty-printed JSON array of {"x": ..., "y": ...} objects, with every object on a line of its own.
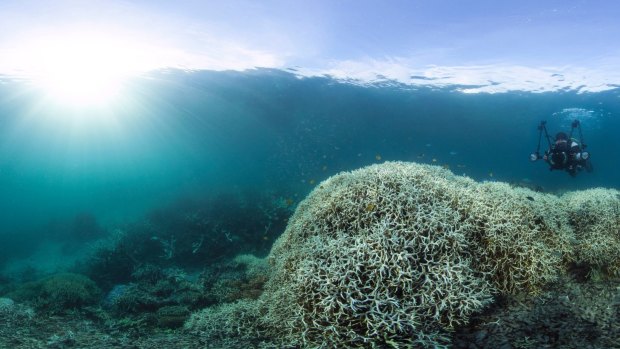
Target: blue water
[{"x": 199, "y": 133}]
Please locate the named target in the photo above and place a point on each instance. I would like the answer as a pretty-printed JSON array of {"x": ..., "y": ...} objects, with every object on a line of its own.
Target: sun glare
[{"x": 83, "y": 70}]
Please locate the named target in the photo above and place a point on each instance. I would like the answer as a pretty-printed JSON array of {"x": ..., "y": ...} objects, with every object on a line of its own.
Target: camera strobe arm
[
  {"x": 576, "y": 124},
  {"x": 541, "y": 128}
]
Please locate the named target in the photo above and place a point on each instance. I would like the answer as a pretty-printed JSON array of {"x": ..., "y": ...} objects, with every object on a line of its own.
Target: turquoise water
[
  {"x": 153, "y": 198},
  {"x": 176, "y": 134}
]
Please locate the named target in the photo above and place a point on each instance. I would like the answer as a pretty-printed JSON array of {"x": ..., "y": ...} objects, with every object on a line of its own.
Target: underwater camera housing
[{"x": 535, "y": 156}]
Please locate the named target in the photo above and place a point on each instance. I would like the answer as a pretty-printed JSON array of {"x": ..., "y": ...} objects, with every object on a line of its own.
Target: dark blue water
[{"x": 198, "y": 133}]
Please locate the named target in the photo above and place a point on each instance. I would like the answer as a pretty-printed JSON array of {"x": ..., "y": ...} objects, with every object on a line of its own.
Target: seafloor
[{"x": 571, "y": 314}]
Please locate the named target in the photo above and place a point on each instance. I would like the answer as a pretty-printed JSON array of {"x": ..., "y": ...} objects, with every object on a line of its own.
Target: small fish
[
  {"x": 453, "y": 153},
  {"x": 428, "y": 144},
  {"x": 446, "y": 166},
  {"x": 420, "y": 156},
  {"x": 370, "y": 207},
  {"x": 434, "y": 160},
  {"x": 324, "y": 168},
  {"x": 378, "y": 157},
  {"x": 461, "y": 166},
  {"x": 490, "y": 174},
  {"x": 529, "y": 198},
  {"x": 312, "y": 181}
]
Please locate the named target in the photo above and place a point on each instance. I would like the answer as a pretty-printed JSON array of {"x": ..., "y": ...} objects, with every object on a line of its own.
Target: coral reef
[
  {"x": 242, "y": 278},
  {"x": 595, "y": 217},
  {"x": 520, "y": 238},
  {"x": 58, "y": 293},
  {"x": 397, "y": 255},
  {"x": 22, "y": 328},
  {"x": 6, "y": 305},
  {"x": 241, "y": 320},
  {"x": 172, "y": 316},
  {"x": 402, "y": 254},
  {"x": 189, "y": 234},
  {"x": 376, "y": 256},
  {"x": 154, "y": 289},
  {"x": 569, "y": 315}
]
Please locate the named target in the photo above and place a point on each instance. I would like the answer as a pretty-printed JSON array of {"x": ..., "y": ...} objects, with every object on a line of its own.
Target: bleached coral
[
  {"x": 6, "y": 305},
  {"x": 400, "y": 254},
  {"x": 520, "y": 237},
  {"x": 229, "y": 320},
  {"x": 373, "y": 257},
  {"x": 595, "y": 216},
  {"x": 245, "y": 280},
  {"x": 255, "y": 266}
]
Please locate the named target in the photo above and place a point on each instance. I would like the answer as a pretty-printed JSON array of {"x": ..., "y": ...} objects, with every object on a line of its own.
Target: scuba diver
[{"x": 565, "y": 153}]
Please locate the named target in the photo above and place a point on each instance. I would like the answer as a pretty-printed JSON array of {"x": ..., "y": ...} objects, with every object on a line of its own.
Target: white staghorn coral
[
  {"x": 595, "y": 216},
  {"x": 520, "y": 237},
  {"x": 374, "y": 255}
]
